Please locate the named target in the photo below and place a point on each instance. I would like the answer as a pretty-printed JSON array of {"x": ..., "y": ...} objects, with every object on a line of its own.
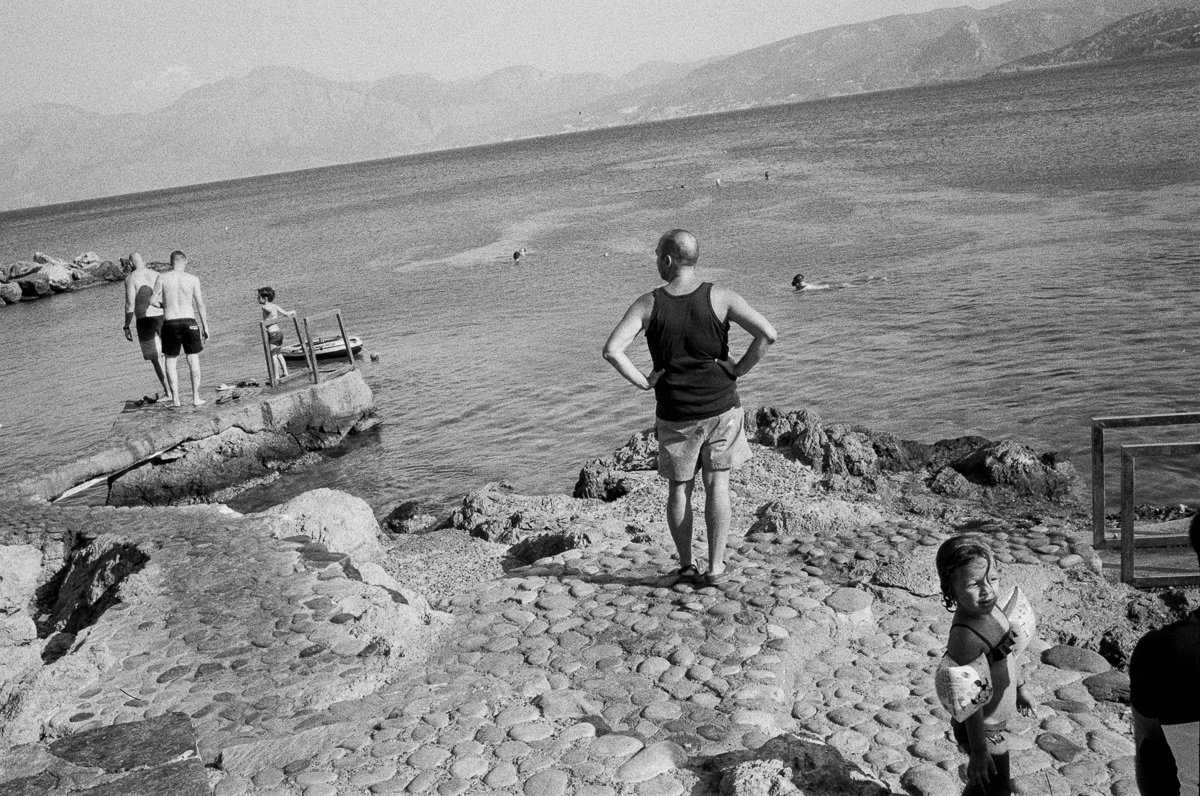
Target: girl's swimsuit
[
  {"x": 998, "y": 651},
  {"x": 1000, "y": 661}
]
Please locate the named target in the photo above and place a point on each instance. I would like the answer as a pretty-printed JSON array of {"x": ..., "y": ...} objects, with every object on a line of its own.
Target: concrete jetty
[{"x": 166, "y": 455}]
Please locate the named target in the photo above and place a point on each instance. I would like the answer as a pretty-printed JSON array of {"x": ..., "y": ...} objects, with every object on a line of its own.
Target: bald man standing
[
  {"x": 139, "y": 287},
  {"x": 698, "y": 413}
]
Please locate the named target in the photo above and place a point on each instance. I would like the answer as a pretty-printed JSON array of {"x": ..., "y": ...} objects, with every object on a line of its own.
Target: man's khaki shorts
[{"x": 715, "y": 443}]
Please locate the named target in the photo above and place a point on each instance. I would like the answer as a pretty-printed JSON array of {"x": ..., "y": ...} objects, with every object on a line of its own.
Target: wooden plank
[
  {"x": 1161, "y": 541},
  {"x": 311, "y": 354},
  {"x": 345, "y": 339},
  {"x": 300, "y": 339},
  {"x": 1127, "y": 475},
  {"x": 1141, "y": 421},
  {"x": 1161, "y": 581},
  {"x": 1162, "y": 448}
]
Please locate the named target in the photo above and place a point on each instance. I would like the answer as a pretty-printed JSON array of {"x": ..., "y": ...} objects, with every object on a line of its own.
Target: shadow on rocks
[{"x": 786, "y": 764}]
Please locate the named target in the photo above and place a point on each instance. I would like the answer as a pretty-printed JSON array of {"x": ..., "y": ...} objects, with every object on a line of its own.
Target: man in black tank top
[
  {"x": 698, "y": 411},
  {"x": 1164, "y": 688}
]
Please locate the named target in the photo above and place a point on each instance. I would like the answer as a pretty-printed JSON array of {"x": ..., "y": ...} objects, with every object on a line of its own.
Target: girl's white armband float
[{"x": 962, "y": 690}]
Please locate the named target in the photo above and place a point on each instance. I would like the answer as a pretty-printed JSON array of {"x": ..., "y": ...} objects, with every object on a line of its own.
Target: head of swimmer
[
  {"x": 798, "y": 281},
  {"x": 676, "y": 250}
]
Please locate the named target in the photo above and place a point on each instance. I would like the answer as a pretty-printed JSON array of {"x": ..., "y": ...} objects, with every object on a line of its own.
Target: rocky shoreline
[
  {"x": 538, "y": 644},
  {"x": 44, "y": 275}
]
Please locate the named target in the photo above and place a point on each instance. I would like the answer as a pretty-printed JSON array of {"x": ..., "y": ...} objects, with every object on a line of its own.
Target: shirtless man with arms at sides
[
  {"x": 178, "y": 293},
  {"x": 139, "y": 287},
  {"x": 698, "y": 413}
]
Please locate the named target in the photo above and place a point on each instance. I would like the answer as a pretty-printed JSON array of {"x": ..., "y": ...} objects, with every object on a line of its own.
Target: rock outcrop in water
[
  {"x": 45, "y": 276},
  {"x": 963, "y": 467}
]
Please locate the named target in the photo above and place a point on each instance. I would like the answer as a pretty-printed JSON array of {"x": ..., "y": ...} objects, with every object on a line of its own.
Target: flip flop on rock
[{"x": 687, "y": 573}]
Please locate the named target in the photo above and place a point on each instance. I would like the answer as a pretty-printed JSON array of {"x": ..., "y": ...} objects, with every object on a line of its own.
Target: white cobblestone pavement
[{"x": 590, "y": 672}]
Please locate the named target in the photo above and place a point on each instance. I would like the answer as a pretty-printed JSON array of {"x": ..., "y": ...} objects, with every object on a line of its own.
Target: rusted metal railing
[
  {"x": 1129, "y": 541},
  {"x": 1099, "y": 424},
  {"x": 304, "y": 335}
]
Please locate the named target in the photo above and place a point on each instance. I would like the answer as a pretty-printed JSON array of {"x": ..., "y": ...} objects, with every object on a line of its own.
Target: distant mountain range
[
  {"x": 279, "y": 119},
  {"x": 1150, "y": 33}
]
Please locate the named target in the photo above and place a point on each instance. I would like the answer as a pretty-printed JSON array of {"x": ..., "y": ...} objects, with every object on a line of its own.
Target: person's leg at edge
[
  {"x": 717, "y": 510},
  {"x": 679, "y": 518},
  {"x": 160, "y": 371},
  {"x": 173, "y": 379},
  {"x": 194, "y": 369}
]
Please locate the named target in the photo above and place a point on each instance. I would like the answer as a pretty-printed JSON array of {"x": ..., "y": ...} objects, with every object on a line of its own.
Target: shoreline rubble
[
  {"x": 543, "y": 646},
  {"x": 44, "y": 276}
]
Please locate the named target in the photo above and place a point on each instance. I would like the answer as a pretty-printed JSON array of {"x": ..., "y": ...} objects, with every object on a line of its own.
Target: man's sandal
[{"x": 687, "y": 573}]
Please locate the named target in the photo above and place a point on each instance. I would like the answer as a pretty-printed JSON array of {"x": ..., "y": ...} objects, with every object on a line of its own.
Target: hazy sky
[{"x": 122, "y": 55}]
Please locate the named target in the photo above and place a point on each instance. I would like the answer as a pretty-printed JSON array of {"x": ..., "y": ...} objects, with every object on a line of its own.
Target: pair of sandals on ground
[{"x": 690, "y": 574}]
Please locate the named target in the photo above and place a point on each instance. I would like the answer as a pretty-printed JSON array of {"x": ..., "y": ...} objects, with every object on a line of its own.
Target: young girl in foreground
[{"x": 970, "y": 586}]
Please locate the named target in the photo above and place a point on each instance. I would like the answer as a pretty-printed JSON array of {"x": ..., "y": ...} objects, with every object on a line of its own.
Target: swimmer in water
[
  {"x": 518, "y": 255},
  {"x": 799, "y": 284}
]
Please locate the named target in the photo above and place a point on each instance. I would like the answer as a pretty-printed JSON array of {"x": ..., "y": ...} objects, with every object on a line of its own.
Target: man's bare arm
[
  {"x": 635, "y": 320},
  {"x": 198, "y": 300},
  {"x": 745, "y": 316},
  {"x": 130, "y": 303},
  {"x": 1154, "y": 761}
]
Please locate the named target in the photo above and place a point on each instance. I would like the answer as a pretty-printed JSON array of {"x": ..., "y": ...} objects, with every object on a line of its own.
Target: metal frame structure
[
  {"x": 305, "y": 337},
  {"x": 1129, "y": 456},
  {"x": 1099, "y": 424}
]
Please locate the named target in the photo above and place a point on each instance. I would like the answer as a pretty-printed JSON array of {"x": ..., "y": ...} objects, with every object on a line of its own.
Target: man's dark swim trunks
[
  {"x": 181, "y": 333},
  {"x": 148, "y": 330}
]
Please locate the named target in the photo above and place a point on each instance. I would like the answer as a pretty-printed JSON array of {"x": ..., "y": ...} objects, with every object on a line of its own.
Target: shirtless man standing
[
  {"x": 178, "y": 293},
  {"x": 139, "y": 287}
]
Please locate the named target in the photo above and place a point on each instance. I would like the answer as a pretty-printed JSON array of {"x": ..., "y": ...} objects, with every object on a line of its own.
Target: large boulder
[
  {"x": 604, "y": 479},
  {"x": 82, "y": 277},
  {"x": 34, "y": 285},
  {"x": 408, "y": 518},
  {"x": 793, "y": 764},
  {"x": 1015, "y": 467},
  {"x": 808, "y": 441},
  {"x": 849, "y": 451},
  {"x": 107, "y": 270},
  {"x": 10, "y": 293},
  {"x": 951, "y": 483},
  {"x": 342, "y": 522},
  {"x": 599, "y": 480},
  {"x": 57, "y": 276},
  {"x": 545, "y": 545},
  {"x": 16, "y": 270},
  {"x": 496, "y": 514},
  {"x": 768, "y": 426},
  {"x": 639, "y": 453},
  {"x": 46, "y": 259},
  {"x": 20, "y": 571}
]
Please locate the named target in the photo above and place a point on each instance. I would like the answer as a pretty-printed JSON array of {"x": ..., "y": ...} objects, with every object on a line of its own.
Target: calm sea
[{"x": 1008, "y": 258}]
